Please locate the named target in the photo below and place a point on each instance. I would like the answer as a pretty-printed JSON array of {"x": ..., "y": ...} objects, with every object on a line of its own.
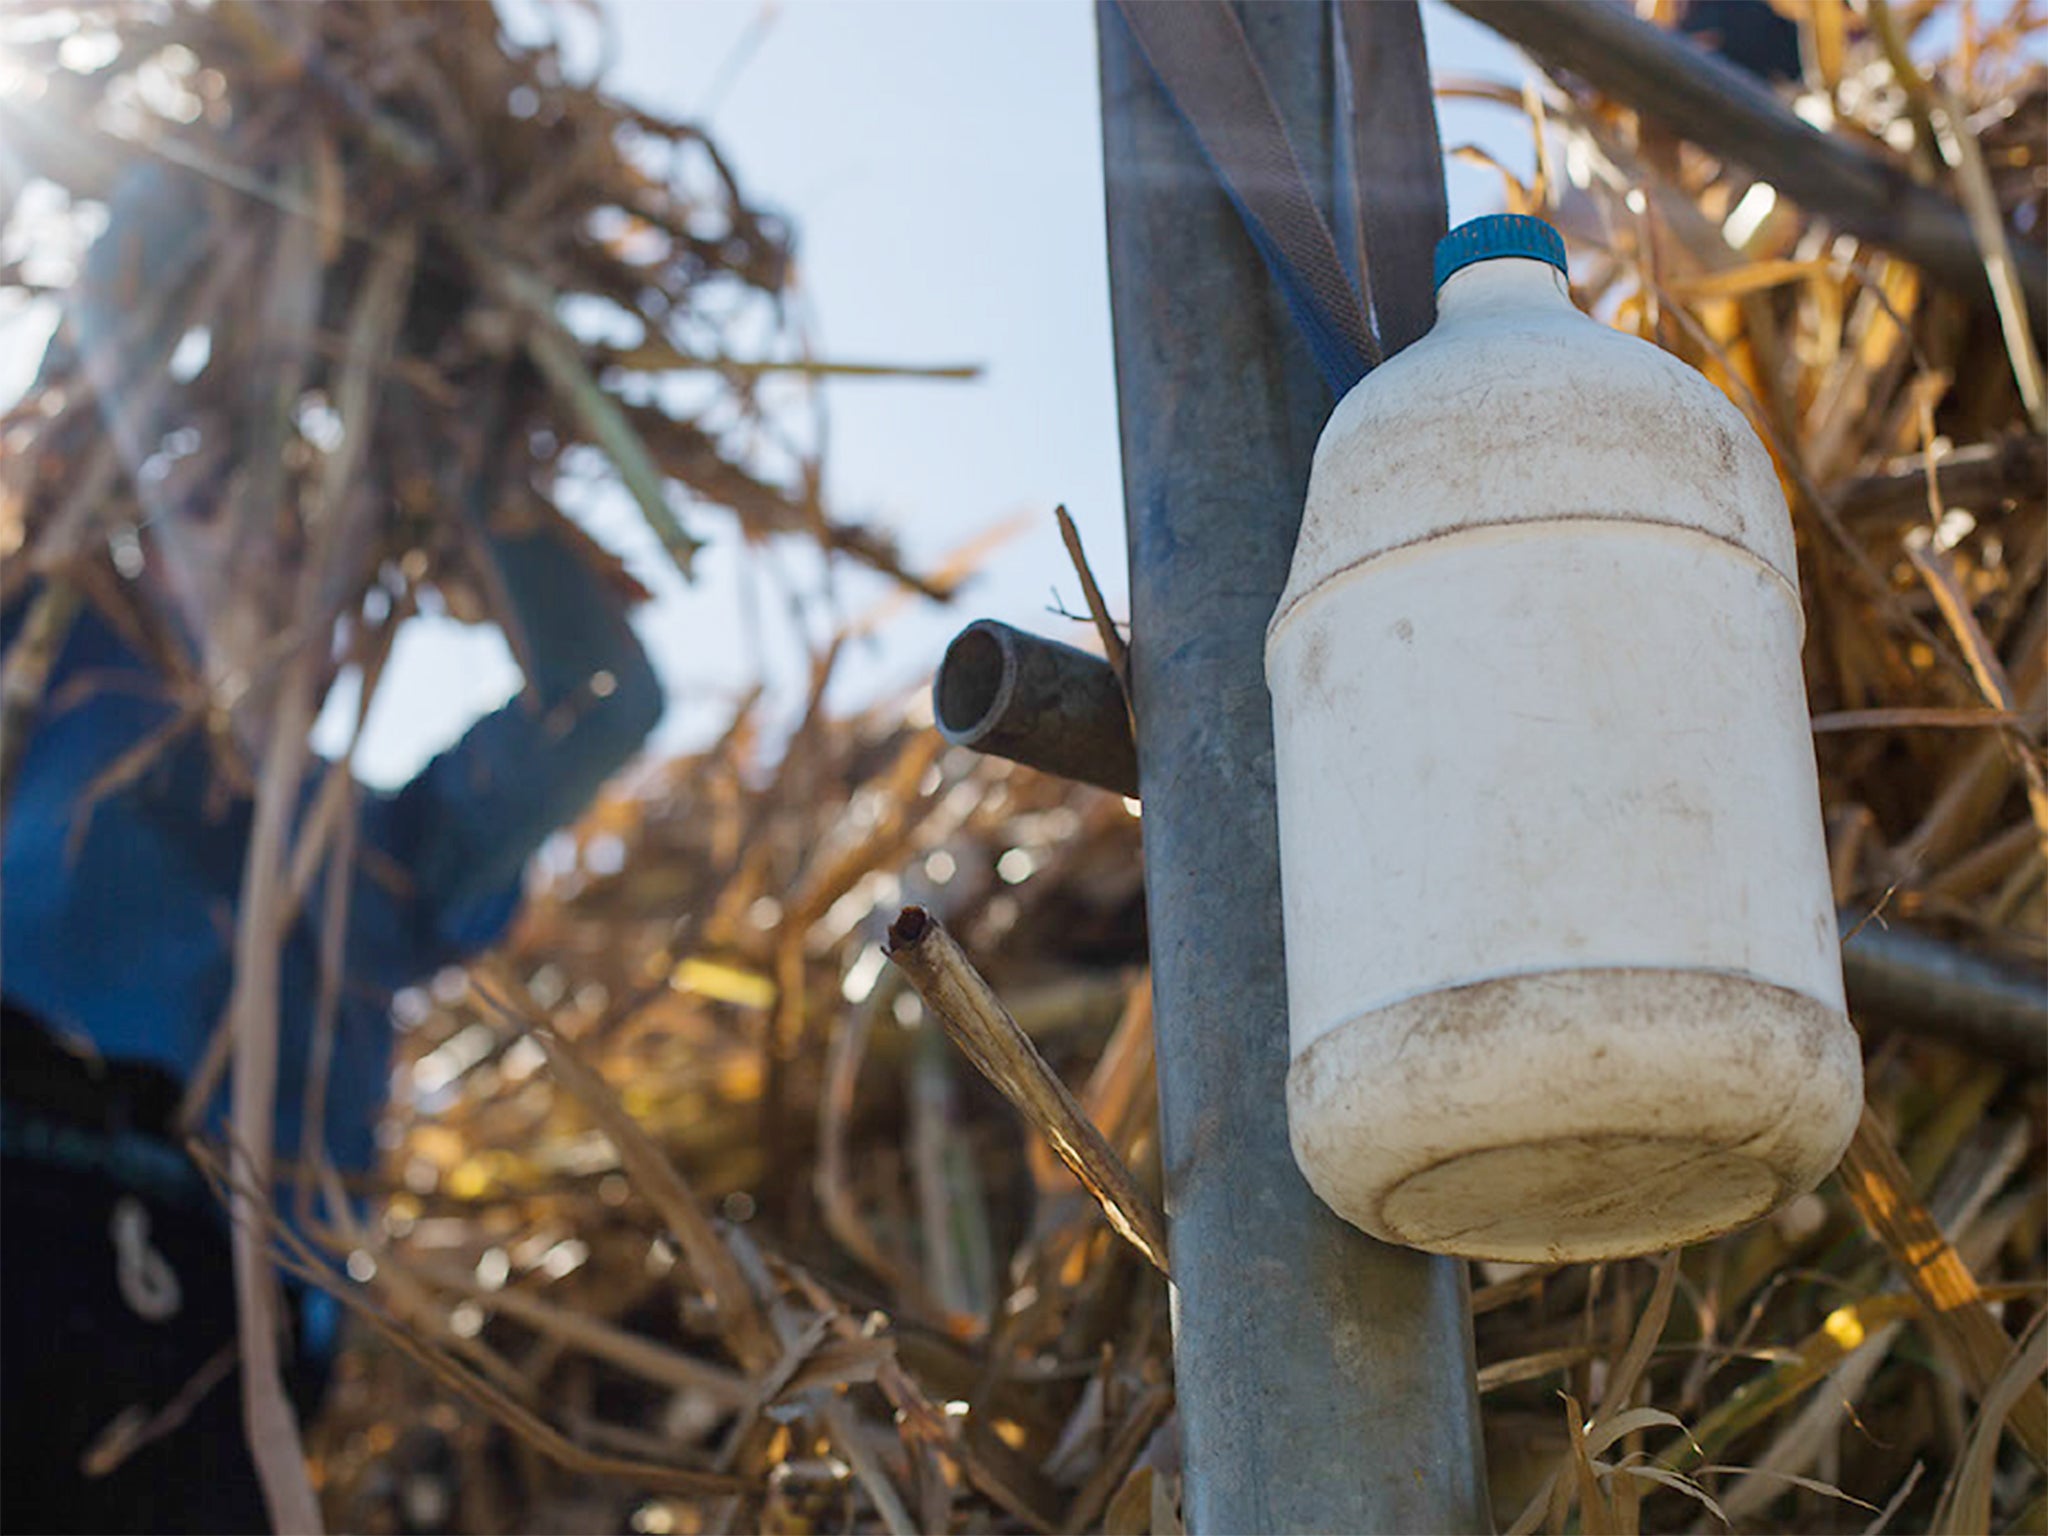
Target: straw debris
[{"x": 692, "y": 1218}]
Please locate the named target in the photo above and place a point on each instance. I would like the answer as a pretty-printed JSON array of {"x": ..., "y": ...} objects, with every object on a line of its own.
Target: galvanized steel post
[{"x": 1325, "y": 1381}]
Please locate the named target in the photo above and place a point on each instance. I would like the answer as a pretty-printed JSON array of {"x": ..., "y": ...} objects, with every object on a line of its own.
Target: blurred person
[
  {"x": 116, "y": 934},
  {"x": 1748, "y": 33}
]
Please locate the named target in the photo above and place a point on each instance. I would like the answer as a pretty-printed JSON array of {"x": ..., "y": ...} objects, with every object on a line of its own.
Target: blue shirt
[{"x": 117, "y": 922}]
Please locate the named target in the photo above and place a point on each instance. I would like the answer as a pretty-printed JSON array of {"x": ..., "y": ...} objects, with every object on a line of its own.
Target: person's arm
[{"x": 478, "y": 811}]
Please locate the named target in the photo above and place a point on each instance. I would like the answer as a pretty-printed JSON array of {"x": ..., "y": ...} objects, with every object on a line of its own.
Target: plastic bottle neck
[{"x": 1504, "y": 284}]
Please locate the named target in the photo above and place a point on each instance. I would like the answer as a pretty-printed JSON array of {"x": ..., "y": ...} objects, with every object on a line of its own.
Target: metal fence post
[{"x": 1325, "y": 1381}]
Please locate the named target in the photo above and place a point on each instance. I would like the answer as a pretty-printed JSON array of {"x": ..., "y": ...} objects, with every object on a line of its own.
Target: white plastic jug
[{"x": 1562, "y": 965}]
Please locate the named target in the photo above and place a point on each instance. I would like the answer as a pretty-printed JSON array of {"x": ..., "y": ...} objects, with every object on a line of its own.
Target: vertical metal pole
[{"x": 1325, "y": 1381}]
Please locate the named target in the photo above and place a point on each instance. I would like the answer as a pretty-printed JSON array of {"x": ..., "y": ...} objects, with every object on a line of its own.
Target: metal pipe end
[
  {"x": 1012, "y": 694},
  {"x": 975, "y": 681}
]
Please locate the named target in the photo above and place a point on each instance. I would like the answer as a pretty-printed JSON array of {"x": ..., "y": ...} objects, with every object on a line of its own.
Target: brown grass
[{"x": 692, "y": 1217}]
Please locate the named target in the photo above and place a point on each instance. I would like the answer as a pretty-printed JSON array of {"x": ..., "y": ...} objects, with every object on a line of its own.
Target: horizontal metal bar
[
  {"x": 1728, "y": 112},
  {"x": 1968, "y": 477},
  {"x": 1035, "y": 701},
  {"x": 1906, "y": 980}
]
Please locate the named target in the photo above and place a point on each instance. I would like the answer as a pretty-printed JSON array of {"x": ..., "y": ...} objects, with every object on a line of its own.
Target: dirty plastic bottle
[{"x": 1562, "y": 966}]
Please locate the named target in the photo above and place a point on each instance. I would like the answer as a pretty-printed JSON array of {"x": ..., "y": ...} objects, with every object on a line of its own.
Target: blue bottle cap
[{"x": 1495, "y": 236}]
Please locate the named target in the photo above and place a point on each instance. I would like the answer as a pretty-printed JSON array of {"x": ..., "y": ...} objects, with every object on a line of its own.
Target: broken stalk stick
[{"x": 997, "y": 1045}]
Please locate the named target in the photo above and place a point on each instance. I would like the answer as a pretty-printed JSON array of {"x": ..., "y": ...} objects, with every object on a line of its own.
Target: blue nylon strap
[
  {"x": 1391, "y": 161},
  {"x": 1200, "y": 53},
  {"x": 1397, "y": 163}
]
